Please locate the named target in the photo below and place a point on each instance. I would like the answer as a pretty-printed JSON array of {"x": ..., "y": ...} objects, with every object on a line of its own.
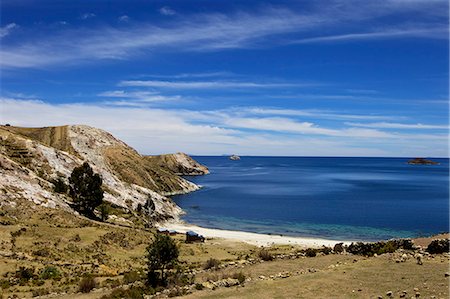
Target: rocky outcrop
[
  {"x": 31, "y": 159},
  {"x": 422, "y": 161},
  {"x": 179, "y": 163}
]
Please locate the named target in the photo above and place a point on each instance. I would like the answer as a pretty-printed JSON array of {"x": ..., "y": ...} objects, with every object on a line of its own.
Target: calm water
[{"x": 339, "y": 198}]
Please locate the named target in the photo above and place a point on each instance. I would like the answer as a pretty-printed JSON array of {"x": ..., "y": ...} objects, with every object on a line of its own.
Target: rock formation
[{"x": 31, "y": 159}]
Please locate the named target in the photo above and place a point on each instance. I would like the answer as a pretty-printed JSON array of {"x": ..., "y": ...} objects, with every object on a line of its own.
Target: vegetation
[
  {"x": 86, "y": 189},
  {"x": 438, "y": 246},
  {"x": 211, "y": 263},
  {"x": 59, "y": 186},
  {"x": 50, "y": 272},
  {"x": 369, "y": 249},
  {"x": 162, "y": 254},
  {"x": 87, "y": 284},
  {"x": 265, "y": 255},
  {"x": 104, "y": 210}
]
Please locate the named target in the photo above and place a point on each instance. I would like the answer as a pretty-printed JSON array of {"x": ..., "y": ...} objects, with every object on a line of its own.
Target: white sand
[{"x": 251, "y": 238}]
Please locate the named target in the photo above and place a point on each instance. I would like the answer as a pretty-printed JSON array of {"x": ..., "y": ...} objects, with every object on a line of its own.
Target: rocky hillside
[
  {"x": 31, "y": 159},
  {"x": 179, "y": 163}
]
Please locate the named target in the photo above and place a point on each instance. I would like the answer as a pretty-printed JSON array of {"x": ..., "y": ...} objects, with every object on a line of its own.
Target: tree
[
  {"x": 86, "y": 189},
  {"x": 161, "y": 255}
]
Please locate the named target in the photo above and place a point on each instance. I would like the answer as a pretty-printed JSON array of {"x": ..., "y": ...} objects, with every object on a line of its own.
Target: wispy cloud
[
  {"x": 167, "y": 11},
  {"x": 135, "y": 98},
  {"x": 387, "y": 125},
  {"x": 207, "y": 84},
  {"x": 214, "y": 32},
  {"x": 433, "y": 33},
  {"x": 123, "y": 18},
  {"x": 88, "y": 15},
  {"x": 6, "y": 30},
  {"x": 320, "y": 114}
]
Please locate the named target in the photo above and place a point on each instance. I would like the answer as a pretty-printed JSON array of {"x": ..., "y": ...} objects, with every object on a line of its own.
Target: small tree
[
  {"x": 86, "y": 189},
  {"x": 161, "y": 255}
]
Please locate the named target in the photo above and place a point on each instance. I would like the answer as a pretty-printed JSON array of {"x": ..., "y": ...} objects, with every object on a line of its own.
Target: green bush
[
  {"x": 438, "y": 246},
  {"x": 50, "y": 272},
  {"x": 199, "y": 286},
  {"x": 265, "y": 255},
  {"x": 87, "y": 284},
  {"x": 211, "y": 264}
]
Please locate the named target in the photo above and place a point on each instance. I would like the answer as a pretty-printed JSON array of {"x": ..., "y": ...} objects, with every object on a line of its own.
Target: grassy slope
[
  {"x": 56, "y": 137},
  {"x": 107, "y": 251}
]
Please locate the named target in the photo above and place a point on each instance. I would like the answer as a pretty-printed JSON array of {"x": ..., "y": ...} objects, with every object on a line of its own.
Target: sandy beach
[{"x": 251, "y": 238}]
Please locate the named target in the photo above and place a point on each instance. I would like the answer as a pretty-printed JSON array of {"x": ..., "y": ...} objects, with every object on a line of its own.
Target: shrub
[
  {"x": 50, "y": 273},
  {"x": 59, "y": 186},
  {"x": 131, "y": 276},
  {"x": 338, "y": 248},
  {"x": 87, "y": 284},
  {"x": 311, "y": 252},
  {"x": 40, "y": 292},
  {"x": 239, "y": 276},
  {"x": 199, "y": 286},
  {"x": 438, "y": 246},
  {"x": 25, "y": 273},
  {"x": 211, "y": 264},
  {"x": 86, "y": 189},
  {"x": 369, "y": 249},
  {"x": 265, "y": 255},
  {"x": 104, "y": 210},
  {"x": 161, "y": 255},
  {"x": 131, "y": 293},
  {"x": 325, "y": 250}
]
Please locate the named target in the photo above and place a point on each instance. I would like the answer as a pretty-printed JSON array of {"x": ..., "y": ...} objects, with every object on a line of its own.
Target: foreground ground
[{"x": 39, "y": 238}]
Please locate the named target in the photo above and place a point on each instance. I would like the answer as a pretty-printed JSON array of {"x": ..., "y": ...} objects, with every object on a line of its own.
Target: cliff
[{"x": 32, "y": 158}]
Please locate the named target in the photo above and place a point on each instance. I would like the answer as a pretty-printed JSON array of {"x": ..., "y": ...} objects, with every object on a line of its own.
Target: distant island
[
  {"x": 235, "y": 157},
  {"x": 422, "y": 161}
]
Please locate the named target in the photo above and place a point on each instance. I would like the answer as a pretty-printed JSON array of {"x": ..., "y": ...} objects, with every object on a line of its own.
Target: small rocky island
[
  {"x": 422, "y": 161},
  {"x": 235, "y": 157}
]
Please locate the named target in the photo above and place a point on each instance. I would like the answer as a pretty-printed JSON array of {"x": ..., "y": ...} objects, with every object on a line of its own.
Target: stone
[{"x": 389, "y": 294}]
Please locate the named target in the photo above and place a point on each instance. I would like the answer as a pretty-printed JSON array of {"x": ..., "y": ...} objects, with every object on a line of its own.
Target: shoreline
[{"x": 248, "y": 237}]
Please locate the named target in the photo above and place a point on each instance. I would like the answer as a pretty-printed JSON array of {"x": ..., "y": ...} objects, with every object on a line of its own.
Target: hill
[{"x": 32, "y": 159}]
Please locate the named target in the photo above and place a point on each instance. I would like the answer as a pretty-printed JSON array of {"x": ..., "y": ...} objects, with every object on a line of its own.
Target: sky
[{"x": 272, "y": 78}]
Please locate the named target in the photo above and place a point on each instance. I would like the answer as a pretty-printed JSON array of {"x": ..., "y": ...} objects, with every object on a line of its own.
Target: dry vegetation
[{"x": 45, "y": 251}]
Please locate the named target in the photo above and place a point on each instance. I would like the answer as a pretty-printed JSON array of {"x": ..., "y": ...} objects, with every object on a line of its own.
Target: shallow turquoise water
[{"x": 339, "y": 198}]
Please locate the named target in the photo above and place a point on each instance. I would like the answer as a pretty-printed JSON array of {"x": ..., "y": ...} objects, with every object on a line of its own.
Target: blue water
[{"x": 338, "y": 198}]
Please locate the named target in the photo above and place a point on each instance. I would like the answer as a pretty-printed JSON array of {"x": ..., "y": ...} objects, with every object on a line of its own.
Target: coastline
[{"x": 248, "y": 237}]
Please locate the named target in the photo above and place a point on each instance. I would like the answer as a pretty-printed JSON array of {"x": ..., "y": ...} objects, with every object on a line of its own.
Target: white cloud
[
  {"x": 153, "y": 131},
  {"x": 436, "y": 33},
  {"x": 205, "y": 32},
  {"x": 124, "y": 18},
  {"x": 88, "y": 15},
  {"x": 206, "y": 84},
  {"x": 386, "y": 125},
  {"x": 167, "y": 11},
  {"x": 136, "y": 98},
  {"x": 6, "y": 30}
]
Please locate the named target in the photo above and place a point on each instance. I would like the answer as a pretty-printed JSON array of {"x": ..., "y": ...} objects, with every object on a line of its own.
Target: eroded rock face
[{"x": 29, "y": 164}]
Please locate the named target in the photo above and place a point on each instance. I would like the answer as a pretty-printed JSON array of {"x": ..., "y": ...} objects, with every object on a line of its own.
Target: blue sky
[{"x": 298, "y": 78}]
